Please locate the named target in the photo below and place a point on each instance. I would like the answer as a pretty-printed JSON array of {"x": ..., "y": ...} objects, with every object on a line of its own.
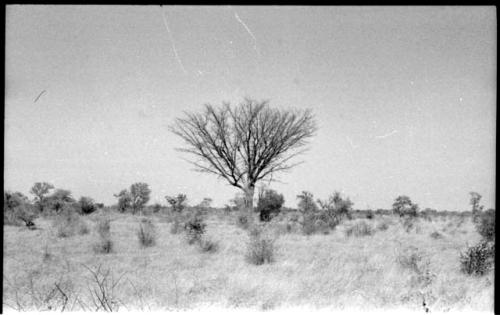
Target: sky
[{"x": 404, "y": 97}]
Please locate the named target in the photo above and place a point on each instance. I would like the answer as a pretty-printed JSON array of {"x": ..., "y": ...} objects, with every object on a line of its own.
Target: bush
[
  {"x": 485, "y": 225},
  {"x": 369, "y": 214},
  {"x": 124, "y": 200},
  {"x": 403, "y": 206},
  {"x": 156, "y": 208},
  {"x": 413, "y": 259},
  {"x": 59, "y": 200},
  {"x": 269, "y": 204},
  {"x": 177, "y": 203},
  {"x": 208, "y": 246},
  {"x": 195, "y": 228},
  {"x": 86, "y": 205},
  {"x": 68, "y": 223},
  {"x": 104, "y": 244},
  {"x": 309, "y": 212},
  {"x": 146, "y": 233},
  {"x": 17, "y": 210},
  {"x": 382, "y": 226},
  {"x": 104, "y": 227},
  {"x": 176, "y": 223},
  {"x": 478, "y": 259},
  {"x": 436, "y": 235},
  {"x": 242, "y": 221},
  {"x": 360, "y": 228},
  {"x": 409, "y": 223},
  {"x": 261, "y": 247}
]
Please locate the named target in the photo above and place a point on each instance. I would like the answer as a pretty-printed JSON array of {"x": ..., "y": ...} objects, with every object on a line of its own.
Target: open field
[{"x": 333, "y": 271}]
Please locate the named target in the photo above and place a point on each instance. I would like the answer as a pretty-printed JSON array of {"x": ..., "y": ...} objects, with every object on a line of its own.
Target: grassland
[{"x": 333, "y": 271}]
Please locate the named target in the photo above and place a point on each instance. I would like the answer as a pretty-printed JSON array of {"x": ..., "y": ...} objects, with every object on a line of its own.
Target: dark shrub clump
[
  {"x": 86, "y": 205},
  {"x": 478, "y": 259},
  {"x": 269, "y": 204},
  {"x": 485, "y": 225}
]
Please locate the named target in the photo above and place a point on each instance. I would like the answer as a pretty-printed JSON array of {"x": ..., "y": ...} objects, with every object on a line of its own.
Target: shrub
[
  {"x": 410, "y": 258},
  {"x": 104, "y": 244},
  {"x": 238, "y": 202},
  {"x": 59, "y": 200},
  {"x": 382, "y": 226},
  {"x": 195, "y": 228},
  {"x": 413, "y": 259},
  {"x": 332, "y": 212},
  {"x": 156, "y": 208},
  {"x": 68, "y": 223},
  {"x": 475, "y": 198},
  {"x": 86, "y": 205},
  {"x": 309, "y": 212},
  {"x": 177, "y": 203},
  {"x": 409, "y": 223},
  {"x": 140, "y": 196},
  {"x": 436, "y": 235},
  {"x": 177, "y": 219},
  {"x": 242, "y": 221},
  {"x": 360, "y": 228},
  {"x": 269, "y": 204},
  {"x": 124, "y": 200},
  {"x": 208, "y": 246},
  {"x": 40, "y": 190},
  {"x": 17, "y": 210},
  {"x": 261, "y": 247},
  {"x": 403, "y": 206},
  {"x": 306, "y": 202},
  {"x": 104, "y": 227},
  {"x": 369, "y": 214},
  {"x": 478, "y": 259},
  {"x": 485, "y": 225},
  {"x": 146, "y": 233}
]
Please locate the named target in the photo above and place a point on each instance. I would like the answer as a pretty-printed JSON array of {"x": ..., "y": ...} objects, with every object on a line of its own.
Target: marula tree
[{"x": 246, "y": 143}]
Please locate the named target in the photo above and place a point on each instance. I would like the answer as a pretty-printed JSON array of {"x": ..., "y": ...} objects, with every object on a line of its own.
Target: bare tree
[{"x": 245, "y": 143}]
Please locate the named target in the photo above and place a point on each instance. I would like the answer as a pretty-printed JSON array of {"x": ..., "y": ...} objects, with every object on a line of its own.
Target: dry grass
[{"x": 320, "y": 271}]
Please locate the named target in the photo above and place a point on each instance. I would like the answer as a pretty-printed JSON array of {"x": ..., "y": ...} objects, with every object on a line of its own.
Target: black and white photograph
[{"x": 249, "y": 159}]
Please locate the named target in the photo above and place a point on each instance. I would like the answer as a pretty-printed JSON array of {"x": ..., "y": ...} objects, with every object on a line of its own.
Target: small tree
[
  {"x": 124, "y": 200},
  {"x": 16, "y": 207},
  {"x": 40, "y": 190},
  {"x": 306, "y": 202},
  {"x": 403, "y": 206},
  {"x": 177, "y": 203},
  {"x": 246, "y": 143},
  {"x": 309, "y": 211},
  {"x": 475, "y": 198},
  {"x": 140, "y": 196},
  {"x": 59, "y": 198}
]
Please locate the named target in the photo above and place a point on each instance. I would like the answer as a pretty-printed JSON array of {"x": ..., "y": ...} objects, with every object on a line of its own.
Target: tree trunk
[{"x": 249, "y": 191}]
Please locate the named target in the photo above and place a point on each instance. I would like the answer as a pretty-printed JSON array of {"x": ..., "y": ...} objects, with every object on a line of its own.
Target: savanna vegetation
[{"x": 68, "y": 254}]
